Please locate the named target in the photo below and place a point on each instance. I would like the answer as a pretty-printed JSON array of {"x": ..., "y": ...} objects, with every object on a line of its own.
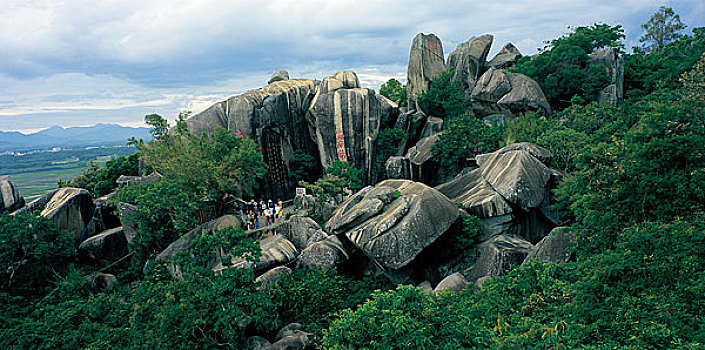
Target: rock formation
[
  {"x": 468, "y": 60},
  {"x": 393, "y": 221},
  {"x": 556, "y": 247},
  {"x": 71, "y": 209},
  {"x": 499, "y": 91},
  {"x": 344, "y": 120},
  {"x": 11, "y": 198},
  {"x": 506, "y": 57},
  {"x": 106, "y": 247},
  {"x": 614, "y": 65},
  {"x": 273, "y": 116},
  {"x": 426, "y": 61}
]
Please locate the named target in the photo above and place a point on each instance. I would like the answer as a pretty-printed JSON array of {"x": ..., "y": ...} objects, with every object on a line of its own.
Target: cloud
[{"x": 120, "y": 55}]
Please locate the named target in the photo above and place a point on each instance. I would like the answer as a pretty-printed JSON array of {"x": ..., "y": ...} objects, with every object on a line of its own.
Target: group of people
[{"x": 263, "y": 214}]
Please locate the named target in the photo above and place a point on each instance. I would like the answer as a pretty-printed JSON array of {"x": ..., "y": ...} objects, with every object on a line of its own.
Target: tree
[
  {"x": 561, "y": 68},
  {"x": 394, "y": 90},
  {"x": 444, "y": 98},
  {"x": 662, "y": 28}
]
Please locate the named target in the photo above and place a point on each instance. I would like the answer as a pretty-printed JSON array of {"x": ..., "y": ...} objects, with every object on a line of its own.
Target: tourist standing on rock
[{"x": 278, "y": 211}]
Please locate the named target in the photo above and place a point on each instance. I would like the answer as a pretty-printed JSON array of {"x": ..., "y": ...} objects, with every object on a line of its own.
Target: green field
[
  {"x": 38, "y": 182},
  {"x": 38, "y": 173}
]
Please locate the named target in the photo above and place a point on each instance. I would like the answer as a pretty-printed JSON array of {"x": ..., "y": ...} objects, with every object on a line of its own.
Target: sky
[{"x": 78, "y": 63}]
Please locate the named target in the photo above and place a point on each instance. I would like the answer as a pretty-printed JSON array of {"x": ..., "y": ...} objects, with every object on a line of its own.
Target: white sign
[{"x": 300, "y": 191}]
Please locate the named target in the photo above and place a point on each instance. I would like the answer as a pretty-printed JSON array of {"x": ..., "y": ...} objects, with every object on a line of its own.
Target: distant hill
[{"x": 57, "y": 136}]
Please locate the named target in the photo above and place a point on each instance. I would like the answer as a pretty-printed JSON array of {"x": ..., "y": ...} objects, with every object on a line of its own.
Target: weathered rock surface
[
  {"x": 455, "y": 282},
  {"x": 476, "y": 195},
  {"x": 516, "y": 175},
  {"x": 71, "y": 209},
  {"x": 258, "y": 343},
  {"x": 398, "y": 167},
  {"x": 468, "y": 60},
  {"x": 526, "y": 95},
  {"x": 432, "y": 127},
  {"x": 302, "y": 231},
  {"x": 11, "y": 198},
  {"x": 105, "y": 247},
  {"x": 268, "y": 277},
  {"x": 185, "y": 243},
  {"x": 499, "y": 91},
  {"x": 39, "y": 203},
  {"x": 344, "y": 124},
  {"x": 495, "y": 256},
  {"x": 101, "y": 281},
  {"x": 426, "y": 61},
  {"x": 556, "y": 247},
  {"x": 393, "y": 221},
  {"x": 291, "y": 337},
  {"x": 538, "y": 152},
  {"x": 273, "y": 116},
  {"x": 276, "y": 250},
  {"x": 278, "y": 76},
  {"x": 323, "y": 255},
  {"x": 129, "y": 228},
  {"x": 614, "y": 65},
  {"x": 506, "y": 57}
]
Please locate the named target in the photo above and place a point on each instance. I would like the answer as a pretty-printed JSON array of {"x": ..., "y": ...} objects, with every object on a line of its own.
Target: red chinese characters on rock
[
  {"x": 340, "y": 146},
  {"x": 432, "y": 46}
]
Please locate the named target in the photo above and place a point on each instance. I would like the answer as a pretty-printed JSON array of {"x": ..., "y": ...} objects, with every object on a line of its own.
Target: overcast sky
[{"x": 76, "y": 63}]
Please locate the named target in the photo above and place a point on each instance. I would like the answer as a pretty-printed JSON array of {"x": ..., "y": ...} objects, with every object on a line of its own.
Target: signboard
[{"x": 300, "y": 191}]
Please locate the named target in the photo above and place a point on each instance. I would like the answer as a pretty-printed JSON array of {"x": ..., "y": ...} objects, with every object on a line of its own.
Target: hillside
[
  {"x": 506, "y": 202},
  {"x": 57, "y": 136}
]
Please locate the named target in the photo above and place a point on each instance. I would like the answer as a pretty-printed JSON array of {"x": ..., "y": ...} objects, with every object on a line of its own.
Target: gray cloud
[{"x": 97, "y": 60}]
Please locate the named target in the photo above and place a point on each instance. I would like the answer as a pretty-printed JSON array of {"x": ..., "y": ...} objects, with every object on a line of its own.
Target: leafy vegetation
[
  {"x": 100, "y": 181},
  {"x": 561, "y": 68},
  {"x": 395, "y": 91}
]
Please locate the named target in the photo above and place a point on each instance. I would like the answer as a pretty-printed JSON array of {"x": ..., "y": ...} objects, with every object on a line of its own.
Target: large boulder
[
  {"x": 476, "y": 195},
  {"x": 278, "y": 76},
  {"x": 556, "y": 247},
  {"x": 393, "y": 221},
  {"x": 106, "y": 247},
  {"x": 499, "y": 91},
  {"x": 71, "y": 209},
  {"x": 126, "y": 212},
  {"x": 185, "y": 243},
  {"x": 426, "y": 61},
  {"x": 613, "y": 62},
  {"x": 323, "y": 255},
  {"x": 421, "y": 164},
  {"x": 344, "y": 124},
  {"x": 301, "y": 231},
  {"x": 506, "y": 57},
  {"x": 516, "y": 175},
  {"x": 496, "y": 256},
  {"x": 468, "y": 60},
  {"x": 526, "y": 95},
  {"x": 11, "y": 198},
  {"x": 274, "y": 117},
  {"x": 397, "y": 167},
  {"x": 271, "y": 275},
  {"x": 455, "y": 282}
]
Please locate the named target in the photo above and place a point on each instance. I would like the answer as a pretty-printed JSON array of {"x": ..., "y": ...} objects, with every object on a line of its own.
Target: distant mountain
[{"x": 57, "y": 136}]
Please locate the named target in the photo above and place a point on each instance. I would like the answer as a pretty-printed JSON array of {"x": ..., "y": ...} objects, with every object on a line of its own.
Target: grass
[{"x": 39, "y": 182}]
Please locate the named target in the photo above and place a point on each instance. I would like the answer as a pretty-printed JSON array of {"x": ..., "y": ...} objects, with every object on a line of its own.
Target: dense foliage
[
  {"x": 395, "y": 91},
  {"x": 100, "y": 181},
  {"x": 561, "y": 68}
]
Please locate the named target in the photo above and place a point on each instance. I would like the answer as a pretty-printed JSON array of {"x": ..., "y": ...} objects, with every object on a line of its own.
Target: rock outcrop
[
  {"x": 426, "y": 61},
  {"x": 499, "y": 91},
  {"x": 273, "y": 116},
  {"x": 344, "y": 120},
  {"x": 556, "y": 247},
  {"x": 455, "y": 282},
  {"x": 106, "y": 247},
  {"x": 614, "y": 65},
  {"x": 393, "y": 221},
  {"x": 468, "y": 60},
  {"x": 496, "y": 255},
  {"x": 506, "y": 57},
  {"x": 71, "y": 209},
  {"x": 11, "y": 198},
  {"x": 302, "y": 231},
  {"x": 278, "y": 76},
  {"x": 322, "y": 255}
]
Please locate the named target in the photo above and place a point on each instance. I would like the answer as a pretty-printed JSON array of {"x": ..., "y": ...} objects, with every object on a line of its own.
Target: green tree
[
  {"x": 445, "y": 98},
  {"x": 100, "y": 181},
  {"x": 346, "y": 171},
  {"x": 301, "y": 166},
  {"x": 394, "y": 91},
  {"x": 464, "y": 137},
  {"x": 663, "y": 27},
  {"x": 561, "y": 68}
]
